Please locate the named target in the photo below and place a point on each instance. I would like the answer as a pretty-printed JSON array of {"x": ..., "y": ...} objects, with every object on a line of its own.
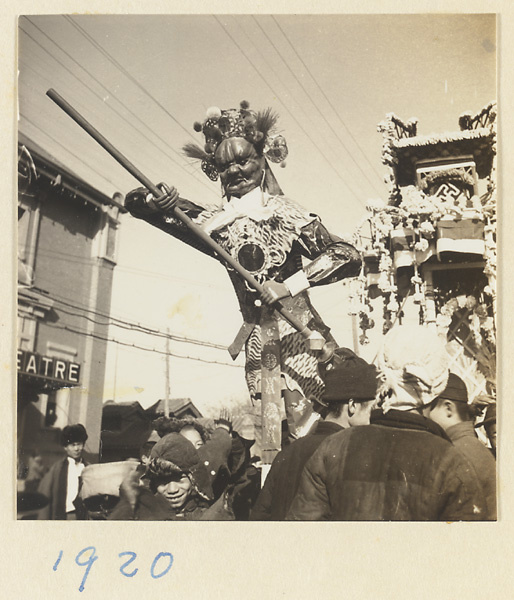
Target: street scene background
[{"x": 143, "y": 81}]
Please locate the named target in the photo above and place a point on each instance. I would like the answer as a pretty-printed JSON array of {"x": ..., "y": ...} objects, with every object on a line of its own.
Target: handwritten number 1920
[{"x": 85, "y": 558}]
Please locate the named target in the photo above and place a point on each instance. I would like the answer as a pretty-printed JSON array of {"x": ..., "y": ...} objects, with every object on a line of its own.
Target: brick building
[{"x": 66, "y": 255}]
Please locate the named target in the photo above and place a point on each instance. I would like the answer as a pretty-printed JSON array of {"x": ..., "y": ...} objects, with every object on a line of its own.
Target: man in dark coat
[
  {"x": 402, "y": 466},
  {"x": 350, "y": 390},
  {"x": 62, "y": 482},
  {"x": 453, "y": 413}
]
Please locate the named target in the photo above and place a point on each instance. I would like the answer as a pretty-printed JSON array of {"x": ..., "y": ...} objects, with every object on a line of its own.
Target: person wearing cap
[
  {"x": 268, "y": 234},
  {"x": 61, "y": 483},
  {"x": 402, "y": 466},
  {"x": 350, "y": 390},
  {"x": 224, "y": 452},
  {"x": 213, "y": 442},
  {"x": 454, "y": 414},
  {"x": 175, "y": 486}
]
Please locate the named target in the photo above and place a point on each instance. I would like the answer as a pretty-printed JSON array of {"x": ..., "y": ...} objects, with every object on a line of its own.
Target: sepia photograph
[{"x": 256, "y": 274}]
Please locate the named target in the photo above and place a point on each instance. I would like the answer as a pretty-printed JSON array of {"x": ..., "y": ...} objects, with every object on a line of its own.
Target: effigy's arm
[
  {"x": 331, "y": 258},
  {"x": 136, "y": 204}
]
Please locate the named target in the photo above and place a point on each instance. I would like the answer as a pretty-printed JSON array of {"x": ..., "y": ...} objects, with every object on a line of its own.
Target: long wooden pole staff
[{"x": 316, "y": 341}]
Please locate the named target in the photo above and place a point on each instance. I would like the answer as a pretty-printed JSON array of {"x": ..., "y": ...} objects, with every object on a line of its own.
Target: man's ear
[
  {"x": 449, "y": 408},
  {"x": 352, "y": 408}
]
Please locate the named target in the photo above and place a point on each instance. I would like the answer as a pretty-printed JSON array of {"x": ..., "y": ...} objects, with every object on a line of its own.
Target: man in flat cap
[
  {"x": 62, "y": 482},
  {"x": 401, "y": 467},
  {"x": 452, "y": 411},
  {"x": 350, "y": 390}
]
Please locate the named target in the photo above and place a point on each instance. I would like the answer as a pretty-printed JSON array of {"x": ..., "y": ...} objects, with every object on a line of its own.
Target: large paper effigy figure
[{"x": 268, "y": 234}]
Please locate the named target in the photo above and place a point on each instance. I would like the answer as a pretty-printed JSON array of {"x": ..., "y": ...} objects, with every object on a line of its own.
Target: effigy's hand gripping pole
[{"x": 315, "y": 339}]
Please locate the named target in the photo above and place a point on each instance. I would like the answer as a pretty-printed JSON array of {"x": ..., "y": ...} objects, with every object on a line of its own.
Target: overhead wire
[
  {"x": 229, "y": 36},
  {"x": 80, "y": 158},
  {"x": 272, "y": 69},
  {"x": 111, "y": 58},
  {"x": 75, "y": 259},
  {"x": 128, "y": 109},
  {"x": 128, "y": 324},
  {"x": 275, "y": 93},
  {"x": 123, "y": 119},
  {"x": 146, "y": 330},
  {"x": 316, "y": 107},
  {"x": 327, "y": 98},
  {"x": 136, "y": 346},
  {"x": 64, "y": 299}
]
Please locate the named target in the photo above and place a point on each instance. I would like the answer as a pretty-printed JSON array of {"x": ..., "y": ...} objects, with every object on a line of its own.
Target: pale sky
[{"x": 143, "y": 81}]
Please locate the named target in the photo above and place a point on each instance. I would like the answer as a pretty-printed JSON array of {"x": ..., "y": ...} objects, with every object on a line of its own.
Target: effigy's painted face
[{"x": 239, "y": 166}]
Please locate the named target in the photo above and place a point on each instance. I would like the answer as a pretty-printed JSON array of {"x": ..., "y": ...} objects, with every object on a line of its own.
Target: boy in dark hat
[
  {"x": 455, "y": 415},
  {"x": 175, "y": 486},
  {"x": 350, "y": 390},
  {"x": 62, "y": 482}
]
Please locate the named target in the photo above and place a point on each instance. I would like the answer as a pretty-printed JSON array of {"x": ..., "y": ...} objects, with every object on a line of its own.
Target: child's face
[{"x": 176, "y": 489}]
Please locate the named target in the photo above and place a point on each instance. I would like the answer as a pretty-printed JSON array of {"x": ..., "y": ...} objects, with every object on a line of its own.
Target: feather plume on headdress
[
  {"x": 193, "y": 150},
  {"x": 265, "y": 121}
]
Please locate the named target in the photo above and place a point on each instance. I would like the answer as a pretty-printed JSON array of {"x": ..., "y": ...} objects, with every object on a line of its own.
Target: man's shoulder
[
  {"x": 472, "y": 446},
  {"x": 50, "y": 477},
  {"x": 58, "y": 464},
  {"x": 302, "y": 447},
  {"x": 340, "y": 438},
  {"x": 376, "y": 434}
]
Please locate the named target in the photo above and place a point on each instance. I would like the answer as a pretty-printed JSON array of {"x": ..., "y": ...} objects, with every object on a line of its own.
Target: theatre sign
[{"x": 47, "y": 368}]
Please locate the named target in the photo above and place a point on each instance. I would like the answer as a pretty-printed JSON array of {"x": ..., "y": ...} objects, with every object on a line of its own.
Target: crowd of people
[{"x": 394, "y": 441}]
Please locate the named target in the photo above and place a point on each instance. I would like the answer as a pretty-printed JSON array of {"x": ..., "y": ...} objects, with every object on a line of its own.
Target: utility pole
[
  {"x": 167, "y": 385},
  {"x": 355, "y": 334},
  {"x": 115, "y": 374}
]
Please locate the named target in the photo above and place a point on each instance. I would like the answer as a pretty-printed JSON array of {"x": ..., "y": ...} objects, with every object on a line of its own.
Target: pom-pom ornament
[{"x": 213, "y": 113}]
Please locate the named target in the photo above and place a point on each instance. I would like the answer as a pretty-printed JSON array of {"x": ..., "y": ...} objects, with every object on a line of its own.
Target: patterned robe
[{"x": 268, "y": 235}]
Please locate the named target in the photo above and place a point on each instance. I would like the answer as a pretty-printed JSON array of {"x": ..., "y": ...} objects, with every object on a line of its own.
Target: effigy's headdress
[{"x": 258, "y": 128}]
